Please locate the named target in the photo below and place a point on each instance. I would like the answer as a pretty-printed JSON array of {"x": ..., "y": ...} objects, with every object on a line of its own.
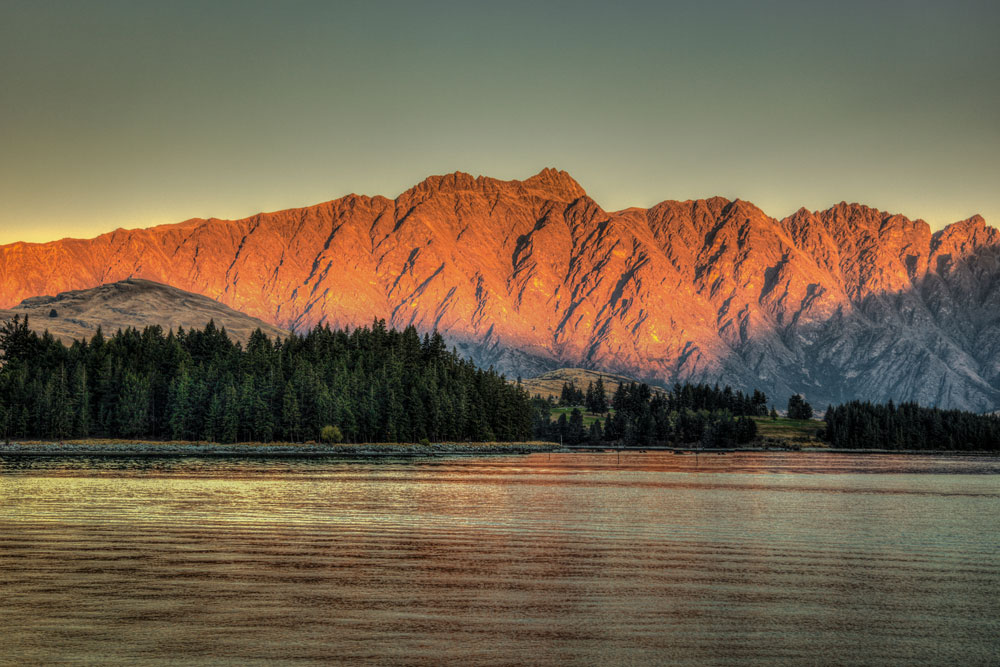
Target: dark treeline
[
  {"x": 573, "y": 395},
  {"x": 708, "y": 397},
  {"x": 858, "y": 425},
  {"x": 687, "y": 414},
  {"x": 370, "y": 384},
  {"x": 681, "y": 397},
  {"x": 595, "y": 398}
]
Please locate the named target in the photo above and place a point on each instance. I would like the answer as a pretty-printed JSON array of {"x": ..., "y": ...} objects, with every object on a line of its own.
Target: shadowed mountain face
[
  {"x": 132, "y": 303},
  {"x": 531, "y": 275}
]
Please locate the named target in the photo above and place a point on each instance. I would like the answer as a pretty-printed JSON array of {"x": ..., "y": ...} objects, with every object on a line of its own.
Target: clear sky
[{"x": 128, "y": 114}]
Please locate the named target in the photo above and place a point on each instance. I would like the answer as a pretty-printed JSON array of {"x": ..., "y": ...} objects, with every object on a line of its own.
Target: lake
[{"x": 767, "y": 558}]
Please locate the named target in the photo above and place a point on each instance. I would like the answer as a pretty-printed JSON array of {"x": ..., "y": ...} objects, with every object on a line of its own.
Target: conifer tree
[
  {"x": 179, "y": 405},
  {"x": 600, "y": 397},
  {"x": 133, "y": 405},
  {"x": 798, "y": 408},
  {"x": 61, "y": 411},
  {"x": 230, "y": 419},
  {"x": 212, "y": 424},
  {"x": 575, "y": 432},
  {"x": 373, "y": 383},
  {"x": 80, "y": 402},
  {"x": 561, "y": 431},
  {"x": 290, "y": 416},
  {"x": 596, "y": 433}
]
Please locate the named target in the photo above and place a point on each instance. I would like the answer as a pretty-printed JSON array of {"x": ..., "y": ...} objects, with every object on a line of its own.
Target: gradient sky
[{"x": 128, "y": 114}]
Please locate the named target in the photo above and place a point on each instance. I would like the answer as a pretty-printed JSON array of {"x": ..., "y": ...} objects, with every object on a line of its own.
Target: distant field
[
  {"x": 588, "y": 417},
  {"x": 788, "y": 428}
]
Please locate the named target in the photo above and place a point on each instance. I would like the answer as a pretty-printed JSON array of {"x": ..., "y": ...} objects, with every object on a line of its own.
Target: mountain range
[{"x": 532, "y": 275}]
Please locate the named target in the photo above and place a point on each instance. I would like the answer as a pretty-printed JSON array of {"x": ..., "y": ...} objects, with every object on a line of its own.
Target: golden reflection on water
[{"x": 526, "y": 560}]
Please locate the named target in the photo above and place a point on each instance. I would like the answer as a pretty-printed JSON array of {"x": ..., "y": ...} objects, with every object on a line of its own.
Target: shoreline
[
  {"x": 282, "y": 450},
  {"x": 36, "y": 449}
]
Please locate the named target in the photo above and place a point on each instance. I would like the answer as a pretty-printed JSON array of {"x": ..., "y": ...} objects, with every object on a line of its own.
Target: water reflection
[{"x": 541, "y": 560}]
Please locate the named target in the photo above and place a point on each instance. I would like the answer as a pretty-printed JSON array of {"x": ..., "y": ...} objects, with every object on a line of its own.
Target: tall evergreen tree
[
  {"x": 230, "y": 421},
  {"x": 80, "y": 402},
  {"x": 61, "y": 410},
  {"x": 798, "y": 408},
  {"x": 133, "y": 405},
  {"x": 212, "y": 425},
  {"x": 600, "y": 397},
  {"x": 290, "y": 416},
  {"x": 575, "y": 432}
]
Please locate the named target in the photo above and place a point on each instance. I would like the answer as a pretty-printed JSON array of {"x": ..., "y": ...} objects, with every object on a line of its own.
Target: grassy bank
[{"x": 94, "y": 447}]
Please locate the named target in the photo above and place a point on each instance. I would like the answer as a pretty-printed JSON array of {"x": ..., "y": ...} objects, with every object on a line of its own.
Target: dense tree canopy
[
  {"x": 371, "y": 384},
  {"x": 687, "y": 414},
  {"x": 679, "y": 397},
  {"x": 858, "y": 425},
  {"x": 571, "y": 394},
  {"x": 596, "y": 398},
  {"x": 799, "y": 408},
  {"x": 377, "y": 384}
]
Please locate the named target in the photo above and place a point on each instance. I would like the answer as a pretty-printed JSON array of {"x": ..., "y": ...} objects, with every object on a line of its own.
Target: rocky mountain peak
[
  {"x": 550, "y": 184},
  {"x": 555, "y": 184},
  {"x": 963, "y": 238},
  {"x": 443, "y": 183}
]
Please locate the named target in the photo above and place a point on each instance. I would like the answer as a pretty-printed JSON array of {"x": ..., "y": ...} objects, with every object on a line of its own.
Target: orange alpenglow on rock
[{"x": 532, "y": 275}]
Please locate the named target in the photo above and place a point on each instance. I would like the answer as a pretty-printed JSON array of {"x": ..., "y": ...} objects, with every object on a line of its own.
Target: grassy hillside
[
  {"x": 132, "y": 303},
  {"x": 796, "y": 430},
  {"x": 550, "y": 384}
]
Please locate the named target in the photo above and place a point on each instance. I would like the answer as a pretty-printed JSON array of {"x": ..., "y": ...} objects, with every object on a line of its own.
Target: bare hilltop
[{"x": 133, "y": 303}]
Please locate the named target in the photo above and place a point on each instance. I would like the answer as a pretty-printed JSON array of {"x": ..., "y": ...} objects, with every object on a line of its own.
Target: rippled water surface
[{"x": 544, "y": 559}]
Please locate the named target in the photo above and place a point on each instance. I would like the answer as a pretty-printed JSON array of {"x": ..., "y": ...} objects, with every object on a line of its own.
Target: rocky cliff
[{"x": 532, "y": 275}]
